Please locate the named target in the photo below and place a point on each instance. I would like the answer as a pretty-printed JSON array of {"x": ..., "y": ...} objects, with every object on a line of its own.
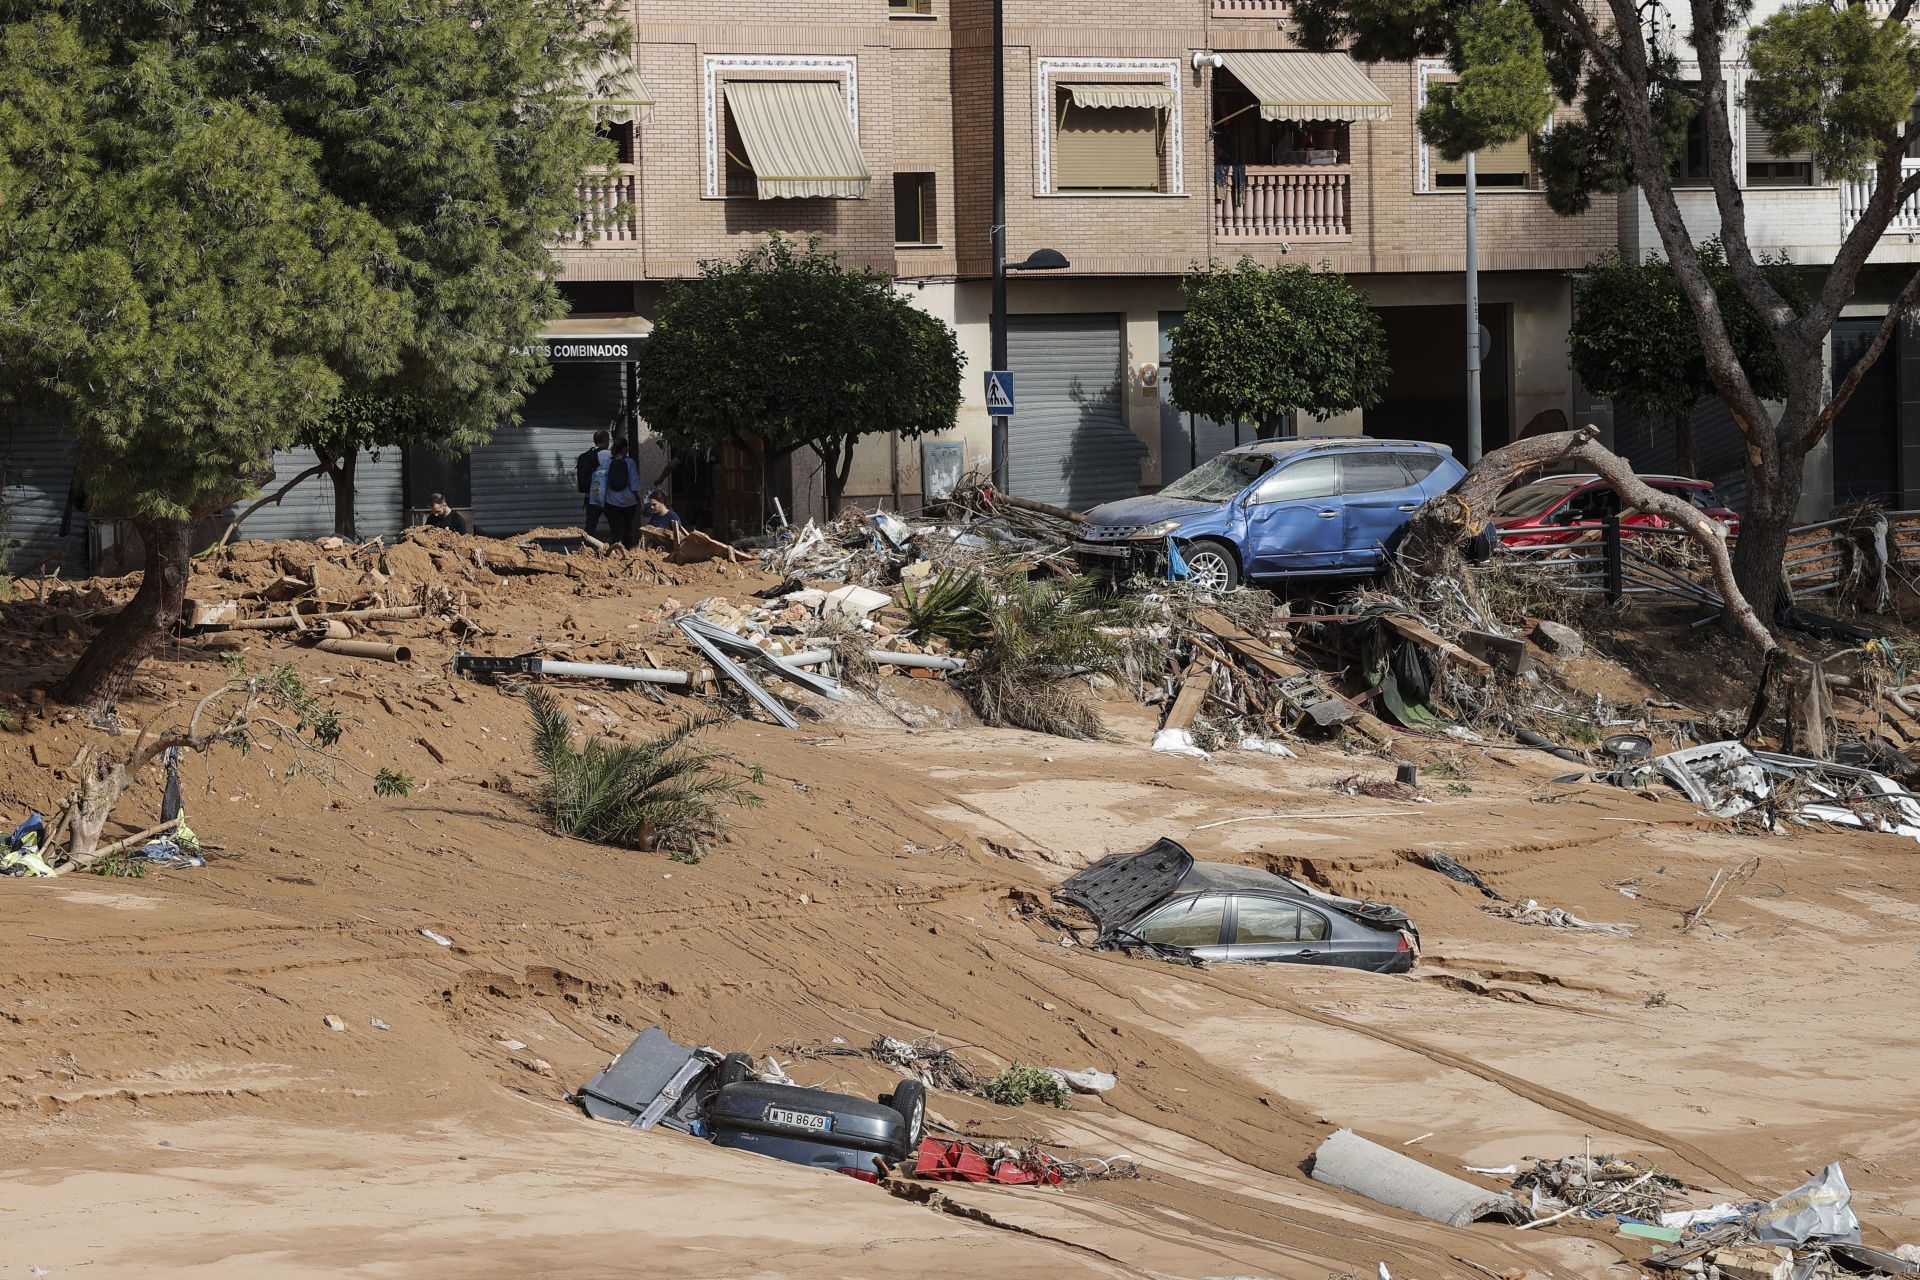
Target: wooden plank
[
  {"x": 1231, "y": 635},
  {"x": 1420, "y": 633},
  {"x": 1193, "y": 693}
]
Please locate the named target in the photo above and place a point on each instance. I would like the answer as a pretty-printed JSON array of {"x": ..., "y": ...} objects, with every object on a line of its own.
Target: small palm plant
[
  {"x": 658, "y": 794},
  {"x": 1037, "y": 635}
]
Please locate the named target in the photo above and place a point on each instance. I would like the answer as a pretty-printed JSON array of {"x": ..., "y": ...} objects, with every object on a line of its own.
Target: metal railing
[
  {"x": 1251, "y": 8},
  {"x": 1854, "y": 197},
  {"x": 1604, "y": 560},
  {"x": 1283, "y": 202}
]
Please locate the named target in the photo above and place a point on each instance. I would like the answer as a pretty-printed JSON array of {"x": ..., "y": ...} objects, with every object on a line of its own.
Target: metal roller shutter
[
  {"x": 36, "y": 468},
  {"x": 1719, "y": 450},
  {"x": 523, "y": 477},
  {"x": 307, "y": 512},
  {"x": 1069, "y": 443},
  {"x": 1866, "y": 450},
  {"x": 1182, "y": 450}
]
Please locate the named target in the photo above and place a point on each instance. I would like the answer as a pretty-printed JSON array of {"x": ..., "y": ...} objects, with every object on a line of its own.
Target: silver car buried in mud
[{"x": 1162, "y": 900}]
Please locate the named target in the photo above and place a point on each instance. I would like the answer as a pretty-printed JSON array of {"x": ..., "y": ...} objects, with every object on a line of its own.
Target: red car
[{"x": 1561, "y": 508}]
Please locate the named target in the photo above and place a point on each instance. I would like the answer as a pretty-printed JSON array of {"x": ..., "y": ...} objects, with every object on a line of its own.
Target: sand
[{"x": 173, "y": 1102}]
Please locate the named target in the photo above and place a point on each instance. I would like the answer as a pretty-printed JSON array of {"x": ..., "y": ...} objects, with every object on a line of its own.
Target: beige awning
[
  {"x": 615, "y": 92},
  {"x": 1154, "y": 96},
  {"x": 1309, "y": 86},
  {"x": 798, "y": 139}
]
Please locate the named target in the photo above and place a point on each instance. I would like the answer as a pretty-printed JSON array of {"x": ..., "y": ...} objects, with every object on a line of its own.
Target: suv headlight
[{"x": 1147, "y": 532}]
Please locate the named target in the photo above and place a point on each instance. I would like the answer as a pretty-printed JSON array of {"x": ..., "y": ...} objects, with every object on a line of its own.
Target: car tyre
[
  {"x": 1211, "y": 565},
  {"x": 735, "y": 1068},
  {"x": 909, "y": 1098}
]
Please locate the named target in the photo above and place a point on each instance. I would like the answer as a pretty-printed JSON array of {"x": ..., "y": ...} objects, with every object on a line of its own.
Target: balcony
[
  {"x": 1854, "y": 197},
  {"x": 609, "y": 211},
  {"x": 1252, "y": 8},
  {"x": 1284, "y": 202}
]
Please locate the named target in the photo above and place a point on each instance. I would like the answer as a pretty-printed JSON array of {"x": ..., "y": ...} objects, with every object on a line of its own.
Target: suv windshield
[
  {"x": 1219, "y": 479},
  {"x": 1529, "y": 500}
]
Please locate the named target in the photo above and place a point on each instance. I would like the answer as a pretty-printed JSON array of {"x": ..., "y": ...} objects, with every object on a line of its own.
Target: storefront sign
[{"x": 611, "y": 350}]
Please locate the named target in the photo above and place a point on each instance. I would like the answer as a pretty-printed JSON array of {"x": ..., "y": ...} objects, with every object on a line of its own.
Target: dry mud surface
[{"x": 172, "y": 1103}]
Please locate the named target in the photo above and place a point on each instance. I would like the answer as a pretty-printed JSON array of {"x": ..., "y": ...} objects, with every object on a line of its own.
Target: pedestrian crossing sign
[{"x": 1000, "y": 393}]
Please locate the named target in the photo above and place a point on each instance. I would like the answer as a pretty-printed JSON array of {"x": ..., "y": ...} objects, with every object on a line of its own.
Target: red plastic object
[
  {"x": 965, "y": 1162},
  {"x": 865, "y": 1175}
]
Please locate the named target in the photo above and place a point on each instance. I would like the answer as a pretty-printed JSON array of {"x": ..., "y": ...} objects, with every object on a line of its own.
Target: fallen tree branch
[{"x": 272, "y": 499}]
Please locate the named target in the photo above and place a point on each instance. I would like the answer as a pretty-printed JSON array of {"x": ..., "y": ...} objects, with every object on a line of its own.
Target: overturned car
[{"x": 1162, "y": 900}]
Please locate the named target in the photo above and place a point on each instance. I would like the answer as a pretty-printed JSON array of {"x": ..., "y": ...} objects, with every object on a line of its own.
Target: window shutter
[
  {"x": 1111, "y": 149},
  {"x": 1507, "y": 158},
  {"x": 1760, "y": 148}
]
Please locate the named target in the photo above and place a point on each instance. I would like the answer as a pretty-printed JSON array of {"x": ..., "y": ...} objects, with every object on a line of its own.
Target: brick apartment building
[{"x": 1142, "y": 137}]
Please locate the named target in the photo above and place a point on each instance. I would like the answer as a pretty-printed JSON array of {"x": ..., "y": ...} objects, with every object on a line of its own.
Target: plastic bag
[{"x": 1817, "y": 1211}]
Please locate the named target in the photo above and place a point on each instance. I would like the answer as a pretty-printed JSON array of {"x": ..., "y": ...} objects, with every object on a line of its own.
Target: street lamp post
[
  {"x": 1473, "y": 320},
  {"x": 1039, "y": 260}
]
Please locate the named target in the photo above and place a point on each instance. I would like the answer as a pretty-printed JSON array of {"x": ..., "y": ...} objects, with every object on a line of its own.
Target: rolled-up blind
[
  {"x": 1505, "y": 160},
  {"x": 1760, "y": 149},
  {"x": 1110, "y": 149}
]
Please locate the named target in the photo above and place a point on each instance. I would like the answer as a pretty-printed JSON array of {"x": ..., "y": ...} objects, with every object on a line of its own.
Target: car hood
[
  {"x": 1149, "y": 509},
  {"x": 1116, "y": 889}
]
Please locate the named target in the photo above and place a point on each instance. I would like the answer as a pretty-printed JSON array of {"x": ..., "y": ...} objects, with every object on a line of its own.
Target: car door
[
  {"x": 1195, "y": 924},
  {"x": 1294, "y": 522},
  {"x": 1265, "y": 927},
  {"x": 1379, "y": 497}
]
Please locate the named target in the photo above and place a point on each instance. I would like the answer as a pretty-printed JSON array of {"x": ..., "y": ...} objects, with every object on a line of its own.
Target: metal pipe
[
  {"x": 292, "y": 623},
  {"x": 607, "y": 671},
  {"x": 1473, "y": 321},
  {"x": 366, "y": 649},
  {"x": 884, "y": 657}
]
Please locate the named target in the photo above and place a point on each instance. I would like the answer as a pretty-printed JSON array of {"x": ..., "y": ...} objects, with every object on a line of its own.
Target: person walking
[
  {"x": 586, "y": 468},
  {"x": 622, "y": 494}
]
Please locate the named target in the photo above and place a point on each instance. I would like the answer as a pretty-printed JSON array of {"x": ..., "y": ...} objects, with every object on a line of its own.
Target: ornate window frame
[
  {"x": 717, "y": 67},
  {"x": 1164, "y": 71},
  {"x": 1423, "y": 70}
]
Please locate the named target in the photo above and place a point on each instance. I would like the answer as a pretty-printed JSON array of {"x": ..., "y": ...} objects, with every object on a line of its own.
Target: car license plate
[{"x": 808, "y": 1120}]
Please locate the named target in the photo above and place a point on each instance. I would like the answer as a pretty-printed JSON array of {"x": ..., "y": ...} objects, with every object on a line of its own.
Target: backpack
[
  {"x": 583, "y": 468},
  {"x": 597, "y": 486}
]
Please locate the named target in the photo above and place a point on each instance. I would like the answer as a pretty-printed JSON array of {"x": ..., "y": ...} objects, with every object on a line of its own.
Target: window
[
  {"x": 739, "y": 170},
  {"x": 1106, "y": 148},
  {"x": 1594, "y": 504},
  {"x": 1220, "y": 478},
  {"x": 1193, "y": 923},
  {"x": 1509, "y": 165},
  {"x": 1765, "y": 169},
  {"x": 1690, "y": 170},
  {"x": 1371, "y": 473},
  {"x": 913, "y": 209},
  {"x": 1268, "y": 920},
  {"x": 1309, "y": 478},
  {"x": 620, "y": 133},
  {"x": 1419, "y": 465},
  {"x": 909, "y": 8}
]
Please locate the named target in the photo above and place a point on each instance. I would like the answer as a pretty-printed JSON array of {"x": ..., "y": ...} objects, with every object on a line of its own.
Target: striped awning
[
  {"x": 615, "y": 92},
  {"x": 1158, "y": 97},
  {"x": 1309, "y": 86},
  {"x": 799, "y": 141}
]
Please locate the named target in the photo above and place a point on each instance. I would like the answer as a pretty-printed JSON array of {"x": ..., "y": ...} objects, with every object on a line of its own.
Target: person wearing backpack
[
  {"x": 586, "y": 467},
  {"x": 621, "y": 490}
]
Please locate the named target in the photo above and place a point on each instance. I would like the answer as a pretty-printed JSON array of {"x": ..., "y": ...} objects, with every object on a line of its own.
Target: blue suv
[{"x": 1277, "y": 508}]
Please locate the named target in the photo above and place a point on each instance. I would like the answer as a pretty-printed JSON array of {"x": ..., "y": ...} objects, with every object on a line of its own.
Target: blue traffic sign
[{"x": 1000, "y": 393}]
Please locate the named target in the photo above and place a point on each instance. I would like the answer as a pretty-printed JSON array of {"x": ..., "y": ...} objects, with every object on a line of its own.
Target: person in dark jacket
[
  {"x": 442, "y": 516},
  {"x": 590, "y": 461},
  {"x": 655, "y": 512}
]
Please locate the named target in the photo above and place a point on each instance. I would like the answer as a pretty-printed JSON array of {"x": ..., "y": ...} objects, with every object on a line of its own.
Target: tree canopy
[
  {"x": 1257, "y": 343},
  {"x": 217, "y": 219},
  {"x": 1628, "y": 80},
  {"x": 1635, "y": 340},
  {"x": 786, "y": 345}
]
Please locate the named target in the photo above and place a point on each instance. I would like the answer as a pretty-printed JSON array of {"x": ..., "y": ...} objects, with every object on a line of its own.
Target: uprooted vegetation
[{"x": 660, "y": 793}]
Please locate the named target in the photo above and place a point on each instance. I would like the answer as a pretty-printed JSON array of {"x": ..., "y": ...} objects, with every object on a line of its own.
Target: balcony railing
[
  {"x": 1283, "y": 202},
  {"x": 609, "y": 214},
  {"x": 1854, "y": 197},
  {"x": 1252, "y": 8}
]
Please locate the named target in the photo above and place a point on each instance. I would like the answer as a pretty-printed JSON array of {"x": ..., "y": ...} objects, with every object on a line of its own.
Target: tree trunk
[
  {"x": 836, "y": 465},
  {"x": 341, "y": 473},
  {"x": 102, "y": 673},
  {"x": 1772, "y": 503},
  {"x": 1683, "y": 445},
  {"x": 1430, "y": 548}
]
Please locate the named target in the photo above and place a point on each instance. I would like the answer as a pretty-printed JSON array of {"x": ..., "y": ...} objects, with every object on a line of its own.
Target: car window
[
  {"x": 1265, "y": 920},
  {"x": 1371, "y": 473},
  {"x": 1596, "y": 504},
  {"x": 1307, "y": 478},
  {"x": 1313, "y": 925},
  {"x": 1194, "y": 922},
  {"x": 1219, "y": 478},
  {"x": 1528, "y": 500},
  {"x": 1419, "y": 465}
]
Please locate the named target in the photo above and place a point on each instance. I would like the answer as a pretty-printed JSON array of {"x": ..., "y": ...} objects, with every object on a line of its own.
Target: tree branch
[
  {"x": 1890, "y": 192},
  {"x": 1882, "y": 336},
  {"x": 273, "y": 498}
]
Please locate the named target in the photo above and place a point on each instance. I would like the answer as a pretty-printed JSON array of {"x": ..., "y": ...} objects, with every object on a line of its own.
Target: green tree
[
  {"x": 1257, "y": 343},
  {"x": 363, "y": 421},
  {"x": 1839, "y": 80},
  {"x": 219, "y": 218},
  {"x": 1634, "y": 338},
  {"x": 786, "y": 345}
]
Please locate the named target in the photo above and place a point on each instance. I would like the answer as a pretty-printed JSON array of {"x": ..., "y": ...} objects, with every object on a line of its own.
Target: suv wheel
[
  {"x": 909, "y": 1098},
  {"x": 1211, "y": 566}
]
